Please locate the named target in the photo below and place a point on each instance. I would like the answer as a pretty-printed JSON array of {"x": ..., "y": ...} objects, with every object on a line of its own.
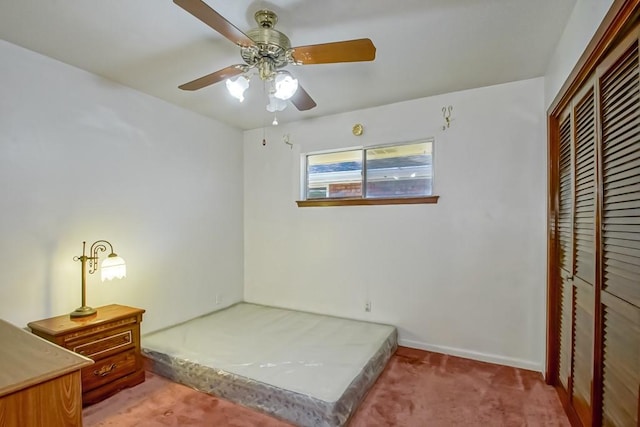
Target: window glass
[
  {"x": 399, "y": 170},
  {"x": 334, "y": 175}
]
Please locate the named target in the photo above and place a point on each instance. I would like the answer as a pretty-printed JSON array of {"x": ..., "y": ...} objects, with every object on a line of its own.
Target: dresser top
[
  {"x": 64, "y": 324},
  {"x": 27, "y": 360}
]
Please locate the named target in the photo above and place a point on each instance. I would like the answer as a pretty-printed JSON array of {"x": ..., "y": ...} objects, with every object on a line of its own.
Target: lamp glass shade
[
  {"x": 237, "y": 87},
  {"x": 113, "y": 267},
  {"x": 285, "y": 85},
  {"x": 275, "y": 104}
]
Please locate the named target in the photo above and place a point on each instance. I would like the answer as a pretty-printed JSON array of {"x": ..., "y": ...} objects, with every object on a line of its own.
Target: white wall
[
  {"x": 82, "y": 158},
  {"x": 582, "y": 25},
  {"x": 465, "y": 276}
]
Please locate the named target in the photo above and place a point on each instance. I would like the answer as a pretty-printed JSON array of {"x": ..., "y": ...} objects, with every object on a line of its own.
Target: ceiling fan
[{"x": 267, "y": 50}]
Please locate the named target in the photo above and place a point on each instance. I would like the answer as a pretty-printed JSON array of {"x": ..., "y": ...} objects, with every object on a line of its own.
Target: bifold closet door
[
  {"x": 584, "y": 227},
  {"x": 594, "y": 234},
  {"x": 619, "y": 90},
  {"x": 577, "y": 250},
  {"x": 565, "y": 251}
]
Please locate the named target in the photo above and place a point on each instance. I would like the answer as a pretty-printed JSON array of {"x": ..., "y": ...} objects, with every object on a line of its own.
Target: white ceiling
[{"x": 424, "y": 47}]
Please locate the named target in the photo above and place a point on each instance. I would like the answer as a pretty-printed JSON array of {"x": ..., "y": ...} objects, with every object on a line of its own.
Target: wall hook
[
  {"x": 446, "y": 114},
  {"x": 285, "y": 139}
]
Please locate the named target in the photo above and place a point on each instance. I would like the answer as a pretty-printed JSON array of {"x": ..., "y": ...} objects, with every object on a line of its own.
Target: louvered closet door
[
  {"x": 576, "y": 249},
  {"x": 585, "y": 192},
  {"x": 565, "y": 251},
  {"x": 619, "y": 86},
  {"x": 584, "y": 240}
]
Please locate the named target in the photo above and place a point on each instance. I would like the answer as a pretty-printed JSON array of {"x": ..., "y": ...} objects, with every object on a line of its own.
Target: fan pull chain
[{"x": 264, "y": 120}]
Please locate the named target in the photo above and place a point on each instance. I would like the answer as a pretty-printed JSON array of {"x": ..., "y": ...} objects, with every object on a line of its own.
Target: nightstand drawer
[
  {"x": 109, "y": 369},
  {"x": 99, "y": 345}
]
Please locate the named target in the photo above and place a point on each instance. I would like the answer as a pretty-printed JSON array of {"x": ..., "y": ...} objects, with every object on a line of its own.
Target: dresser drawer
[
  {"x": 100, "y": 345},
  {"x": 108, "y": 369}
]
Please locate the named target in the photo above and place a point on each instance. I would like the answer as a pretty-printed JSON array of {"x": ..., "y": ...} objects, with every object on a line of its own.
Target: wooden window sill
[{"x": 367, "y": 202}]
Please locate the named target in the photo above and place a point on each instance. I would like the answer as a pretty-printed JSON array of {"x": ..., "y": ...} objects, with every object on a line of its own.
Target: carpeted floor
[{"x": 417, "y": 388}]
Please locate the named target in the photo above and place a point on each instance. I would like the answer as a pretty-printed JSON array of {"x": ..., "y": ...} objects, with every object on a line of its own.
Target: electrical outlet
[
  {"x": 367, "y": 306},
  {"x": 218, "y": 299}
]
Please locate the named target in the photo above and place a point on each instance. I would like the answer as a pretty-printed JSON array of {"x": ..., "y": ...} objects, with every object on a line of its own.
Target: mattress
[{"x": 309, "y": 369}]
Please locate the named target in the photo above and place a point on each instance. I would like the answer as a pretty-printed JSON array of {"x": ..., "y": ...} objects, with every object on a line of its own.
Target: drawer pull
[{"x": 105, "y": 370}]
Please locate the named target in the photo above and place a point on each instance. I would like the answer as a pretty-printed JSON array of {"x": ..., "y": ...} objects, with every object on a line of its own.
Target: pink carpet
[
  {"x": 417, "y": 388},
  {"x": 420, "y": 388}
]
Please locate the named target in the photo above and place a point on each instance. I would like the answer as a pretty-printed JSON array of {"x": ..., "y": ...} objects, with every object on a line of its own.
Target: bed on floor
[{"x": 308, "y": 369}]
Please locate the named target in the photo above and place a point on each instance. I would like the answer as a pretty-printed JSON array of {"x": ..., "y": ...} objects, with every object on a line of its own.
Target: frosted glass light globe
[{"x": 113, "y": 267}]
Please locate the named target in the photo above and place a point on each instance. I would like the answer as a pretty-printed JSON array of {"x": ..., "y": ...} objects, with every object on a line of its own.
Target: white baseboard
[{"x": 483, "y": 357}]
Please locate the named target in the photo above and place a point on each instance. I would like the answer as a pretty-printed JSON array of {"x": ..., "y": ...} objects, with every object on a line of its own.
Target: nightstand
[{"x": 111, "y": 337}]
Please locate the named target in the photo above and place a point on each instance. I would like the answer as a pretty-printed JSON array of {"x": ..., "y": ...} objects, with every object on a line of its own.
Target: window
[
  {"x": 333, "y": 175},
  {"x": 389, "y": 172}
]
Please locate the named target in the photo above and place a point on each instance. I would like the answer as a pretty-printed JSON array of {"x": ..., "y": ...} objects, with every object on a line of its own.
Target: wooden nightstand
[{"x": 111, "y": 337}]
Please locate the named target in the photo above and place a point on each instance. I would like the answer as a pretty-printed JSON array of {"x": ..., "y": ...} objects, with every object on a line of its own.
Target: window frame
[{"x": 363, "y": 200}]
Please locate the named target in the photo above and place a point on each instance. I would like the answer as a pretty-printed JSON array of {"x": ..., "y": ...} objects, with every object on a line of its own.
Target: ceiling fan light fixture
[
  {"x": 237, "y": 87},
  {"x": 275, "y": 104},
  {"x": 267, "y": 50},
  {"x": 285, "y": 85}
]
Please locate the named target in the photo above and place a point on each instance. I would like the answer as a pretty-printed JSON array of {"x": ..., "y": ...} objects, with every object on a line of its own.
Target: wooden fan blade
[
  {"x": 344, "y": 51},
  {"x": 206, "y": 14},
  {"x": 209, "y": 79},
  {"x": 302, "y": 100}
]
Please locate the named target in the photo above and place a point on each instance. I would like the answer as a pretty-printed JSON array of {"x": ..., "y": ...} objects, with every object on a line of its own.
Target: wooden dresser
[
  {"x": 39, "y": 382},
  {"x": 111, "y": 337}
]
